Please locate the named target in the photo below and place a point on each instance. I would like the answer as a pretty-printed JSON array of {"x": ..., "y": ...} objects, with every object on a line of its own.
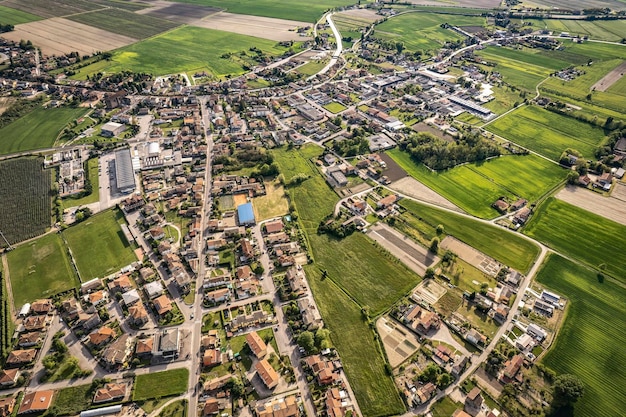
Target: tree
[
  {"x": 572, "y": 177},
  {"x": 430, "y": 273},
  {"x": 434, "y": 245},
  {"x": 440, "y": 229},
  {"x": 430, "y": 373},
  {"x": 306, "y": 341},
  {"x": 444, "y": 380},
  {"x": 399, "y": 47},
  {"x": 322, "y": 340},
  {"x": 567, "y": 390}
]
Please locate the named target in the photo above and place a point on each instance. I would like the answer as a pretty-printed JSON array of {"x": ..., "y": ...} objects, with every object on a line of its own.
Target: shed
[{"x": 25, "y": 310}]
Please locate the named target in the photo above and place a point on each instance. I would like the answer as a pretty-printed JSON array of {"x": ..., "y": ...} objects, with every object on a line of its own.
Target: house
[
  {"x": 256, "y": 344},
  {"x": 146, "y": 274},
  {"x": 524, "y": 342},
  {"x": 501, "y": 205},
  {"x": 217, "y": 296},
  {"x": 338, "y": 403},
  {"x": 96, "y": 298},
  {"x": 20, "y": 357},
  {"x": 144, "y": 347},
  {"x": 267, "y": 374},
  {"x": 511, "y": 369},
  {"x": 217, "y": 383},
  {"x": 137, "y": 315},
  {"x": 211, "y": 341},
  {"x": 211, "y": 357},
  {"x": 310, "y": 316},
  {"x": 424, "y": 393},
  {"x": 536, "y": 332},
  {"x": 247, "y": 250},
  {"x": 7, "y": 405},
  {"x": 110, "y": 392},
  {"x": 550, "y": 297},
  {"x": 323, "y": 369},
  {"x": 41, "y": 306},
  {"x": 246, "y": 288},
  {"x": 543, "y": 308},
  {"x": 71, "y": 308},
  {"x": 295, "y": 278},
  {"x": 33, "y": 323},
  {"x": 500, "y": 313},
  {"x": 29, "y": 339},
  {"x": 157, "y": 233},
  {"x": 274, "y": 226},
  {"x": 211, "y": 407},
  {"x": 8, "y": 377},
  {"x": 244, "y": 272},
  {"x": 460, "y": 362},
  {"x": 521, "y": 217},
  {"x": 519, "y": 204},
  {"x": 153, "y": 289},
  {"x": 131, "y": 297},
  {"x": 121, "y": 283},
  {"x": 584, "y": 180},
  {"x": 36, "y": 402},
  {"x": 101, "y": 336},
  {"x": 473, "y": 402},
  {"x": 278, "y": 407},
  {"x": 460, "y": 413},
  {"x": 422, "y": 320},
  {"x": 167, "y": 344},
  {"x": 474, "y": 337},
  {"x": 117, "y": 353},
  {"x": 605, "y": 181},
  {"x": 88, "y": 321}
]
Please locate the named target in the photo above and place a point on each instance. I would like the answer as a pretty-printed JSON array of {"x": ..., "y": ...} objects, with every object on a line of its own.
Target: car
[{"x": 192, "y": 315}]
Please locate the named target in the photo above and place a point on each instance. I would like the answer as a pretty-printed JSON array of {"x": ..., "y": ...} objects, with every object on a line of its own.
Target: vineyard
[{"x": 26, "y": 199}]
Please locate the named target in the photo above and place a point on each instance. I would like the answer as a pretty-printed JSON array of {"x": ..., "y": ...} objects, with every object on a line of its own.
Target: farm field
[
  {"x": 38, "y": 129},
  {"x": 15, "y": 17},
  {"x": 547, "y": 133},
  {"x": 502, "y": 245},
  {"x": 604, "y": 30},
  {"x": 148, "y": 386},
  {"x": 187, "y": 49},
  {"x": 301, "y": 10},
  {"x": 54, "y": 8},
  {"x": 430, "y": 36},
  {"x": 26, "y": 200},
  {"x": 576, "y": 4},
  {"x": 122, "y": 22},
  {"x": 40, "y": 269},
  {"x": 590, "y": 343},
  {"x": 587, "y": 237},
  {"x": 99, "y": 246},
  {"x": 257, "y": 26},
  {"x": 58, "y": 36}
]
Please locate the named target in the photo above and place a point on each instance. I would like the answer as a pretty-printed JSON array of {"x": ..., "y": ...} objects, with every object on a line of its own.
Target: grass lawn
[
  {"x": 463, "y": 276},
  {"x": 311, "y": 67},
  {"x": 175, "y": 409},
  {"x": 273, "y": 203},
  {"x": 99, "y": 245},
  {"x": 335, "y": 107},
  {"x": 581, "y": 235},
  {"x": 148, "y": 386},
  {"x": 73, "y": 400},
  {"x": 39, "y": 269},
  {"x": 187, "y": 49},
  {"x": 591, "y": 342},
  {"x": 15, "y": 17},
  {"x": 547, "y": 133},
  {"x": 480, "y": 320},
  {"x": 445, "y": 407},
  {"x": 94, "y": 178},
  {"x": 38, "y": 129},
  {"x": 501, "y": 244}
]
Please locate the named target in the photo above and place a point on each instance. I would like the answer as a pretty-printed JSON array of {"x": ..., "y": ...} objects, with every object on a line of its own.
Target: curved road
[{"x": 339, "y": 49}]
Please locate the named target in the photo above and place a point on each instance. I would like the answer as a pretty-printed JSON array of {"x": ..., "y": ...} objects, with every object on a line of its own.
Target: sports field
[
  {"x": 40, "y": 269},
  {"x": 122, "y": 22},
  {"x": 99, "y": 246},
  {"x": 15, "y": 17},
  {"x": 148, "y": 386},
  {"x": 38, "y": 129},
  {"x": 422, "y": 31},
  {"x": 547, "y": 133},
  {"x": 187, "y": 49},
  {"x": 581, "y": 235},
  {"x": 591, "y": 342}
]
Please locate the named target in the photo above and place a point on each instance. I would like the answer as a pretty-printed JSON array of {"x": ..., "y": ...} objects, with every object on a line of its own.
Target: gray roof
[{"x": 124, "y": 175}]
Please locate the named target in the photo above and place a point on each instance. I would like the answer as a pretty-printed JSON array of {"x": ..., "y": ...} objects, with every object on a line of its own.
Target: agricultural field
[
  {"x": 547, "y": 133},
  {"x": 261, "y": 27},
  {"x": 187, "y": 49},
  {"x": 40, "y": 269},
  {"x": 148, "y": 386},
  {"x": 59, "y": 36},
  {"x": 574, "y": 4},
  {"x": 55, "y": 8},
  {"x": 38, "y": 129},
  {"x": 15, "y": 17},
  {"x": 26, "y": 199},
  {"x": 99, "y": 246},
  {"x": 301, "y": 10},
  {"x": 603, "y": 30},
  {"x": 581, "y": 235},
  {"x": 504, "y": 246},
  {"x": 422, "y": 31},
  {"x": 590, "y": 343},
  {"x": 122, "y": 22}
]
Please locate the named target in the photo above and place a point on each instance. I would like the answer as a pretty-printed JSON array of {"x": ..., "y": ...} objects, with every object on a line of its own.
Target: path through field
[{"x": 612, "y": 208}]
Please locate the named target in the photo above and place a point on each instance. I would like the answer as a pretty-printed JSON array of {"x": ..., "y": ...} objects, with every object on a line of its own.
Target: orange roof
[
  {"x": 267, "y": 373},
  {"x": 144, "y": 346},
  {"x": 162, "y": 304},
  {"x": 102, "y": 335},
  {"x": 34, "y": 402},
  {"x": 257, "y": 345},
  {"x": 110, "y": 392},
  {"x": 211, "y": 357}
]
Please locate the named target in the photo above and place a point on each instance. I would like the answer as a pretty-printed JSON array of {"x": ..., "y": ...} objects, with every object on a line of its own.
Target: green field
[
  {"x": 301, "y": 10},
  {"x": 311, "y": 67},
  {"x": 148, "y": 386},
  {"x": 94, "y": 178},
  {"x": 99, "y": 246},
  {"x": 474, "y": 187},
  {"x": 40, "y": 269},
  {"x": 547, "y": 133},
  {"x": 581, "y": 235},
  {"x": 604, "y": 30},
  {"x": 422, "y": 31},
  {"x": 10, "y": 16},
  {"x": 335, "y": 107},
  {"x": 73, "y": 400},
  {"x": 360, "y": 269},
  {"x": 501, "y": 244},
  {"x": 591, "y": 342},
  {"x": 38, "y": 129},
  {"x": 187, "y": 49},
  {"x": 134, "y": 25}
]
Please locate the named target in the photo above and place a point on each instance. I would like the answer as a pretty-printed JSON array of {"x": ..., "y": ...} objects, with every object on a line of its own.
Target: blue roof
[{"x": 245, "y": 213}]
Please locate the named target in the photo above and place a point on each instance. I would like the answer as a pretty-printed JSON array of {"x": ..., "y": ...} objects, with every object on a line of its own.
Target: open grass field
[
  {"x": 591, "y": 342},
  {"x": 94, "y": 178},
  {"x": 301, "y": 10},
  {"x": 72, "y": 400},
  {"x": 99, "y": 246},
  {"x": 273, "y": 203},
  {"x": 335, "y": 107},
  {"x": 175, "y": 409},
  {"x": 581, "y": 235},
  {"x": 15, "y": 17},
  {"x": 122, "y": 22},
  {"x": 187, "y": 49},
  {"x": 422, "y": 31},
  {"x": 547, "y": 133},
  {"x": 504, "y": 246},
  {"x": 40, "y": 269},
  {"x": 25, "y": 188},
  {"x": 38, "y": 129},
  {"x": 148, "y": 386},
  {"x": 311, "y": 67}
]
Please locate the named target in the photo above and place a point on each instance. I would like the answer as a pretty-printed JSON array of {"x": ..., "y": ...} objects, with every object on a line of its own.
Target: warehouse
[
  {"x": 124, "y": 174},
  {"x": 112, "y": 129}
]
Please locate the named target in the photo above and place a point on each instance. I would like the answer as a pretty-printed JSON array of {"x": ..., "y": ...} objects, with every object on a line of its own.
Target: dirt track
[
  {"x": 260, "y": 27},
  {"x": 611, "y": 78},
  {"x": 612, "y": 208},
  {"x": 58, "y": 36}
]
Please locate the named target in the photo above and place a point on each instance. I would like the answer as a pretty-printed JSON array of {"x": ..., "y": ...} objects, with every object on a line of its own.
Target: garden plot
[
  {"x": 257, "y": 26},
  {"x": 399, "y": 343},
  {"x": 429, "y": 291},
  {"x": 58, "y": 36},
  {"x": 470, "y": 255}
]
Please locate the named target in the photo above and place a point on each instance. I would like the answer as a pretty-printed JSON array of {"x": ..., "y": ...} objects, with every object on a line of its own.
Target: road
[{"x": 339, "y": 49}]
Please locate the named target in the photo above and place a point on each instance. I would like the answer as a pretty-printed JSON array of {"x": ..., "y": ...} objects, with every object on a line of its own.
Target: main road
[{"x": 339, "y": 48}]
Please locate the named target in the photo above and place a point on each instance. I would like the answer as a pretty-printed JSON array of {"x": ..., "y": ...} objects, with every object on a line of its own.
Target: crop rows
[{"x": 26, "y": 202}]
